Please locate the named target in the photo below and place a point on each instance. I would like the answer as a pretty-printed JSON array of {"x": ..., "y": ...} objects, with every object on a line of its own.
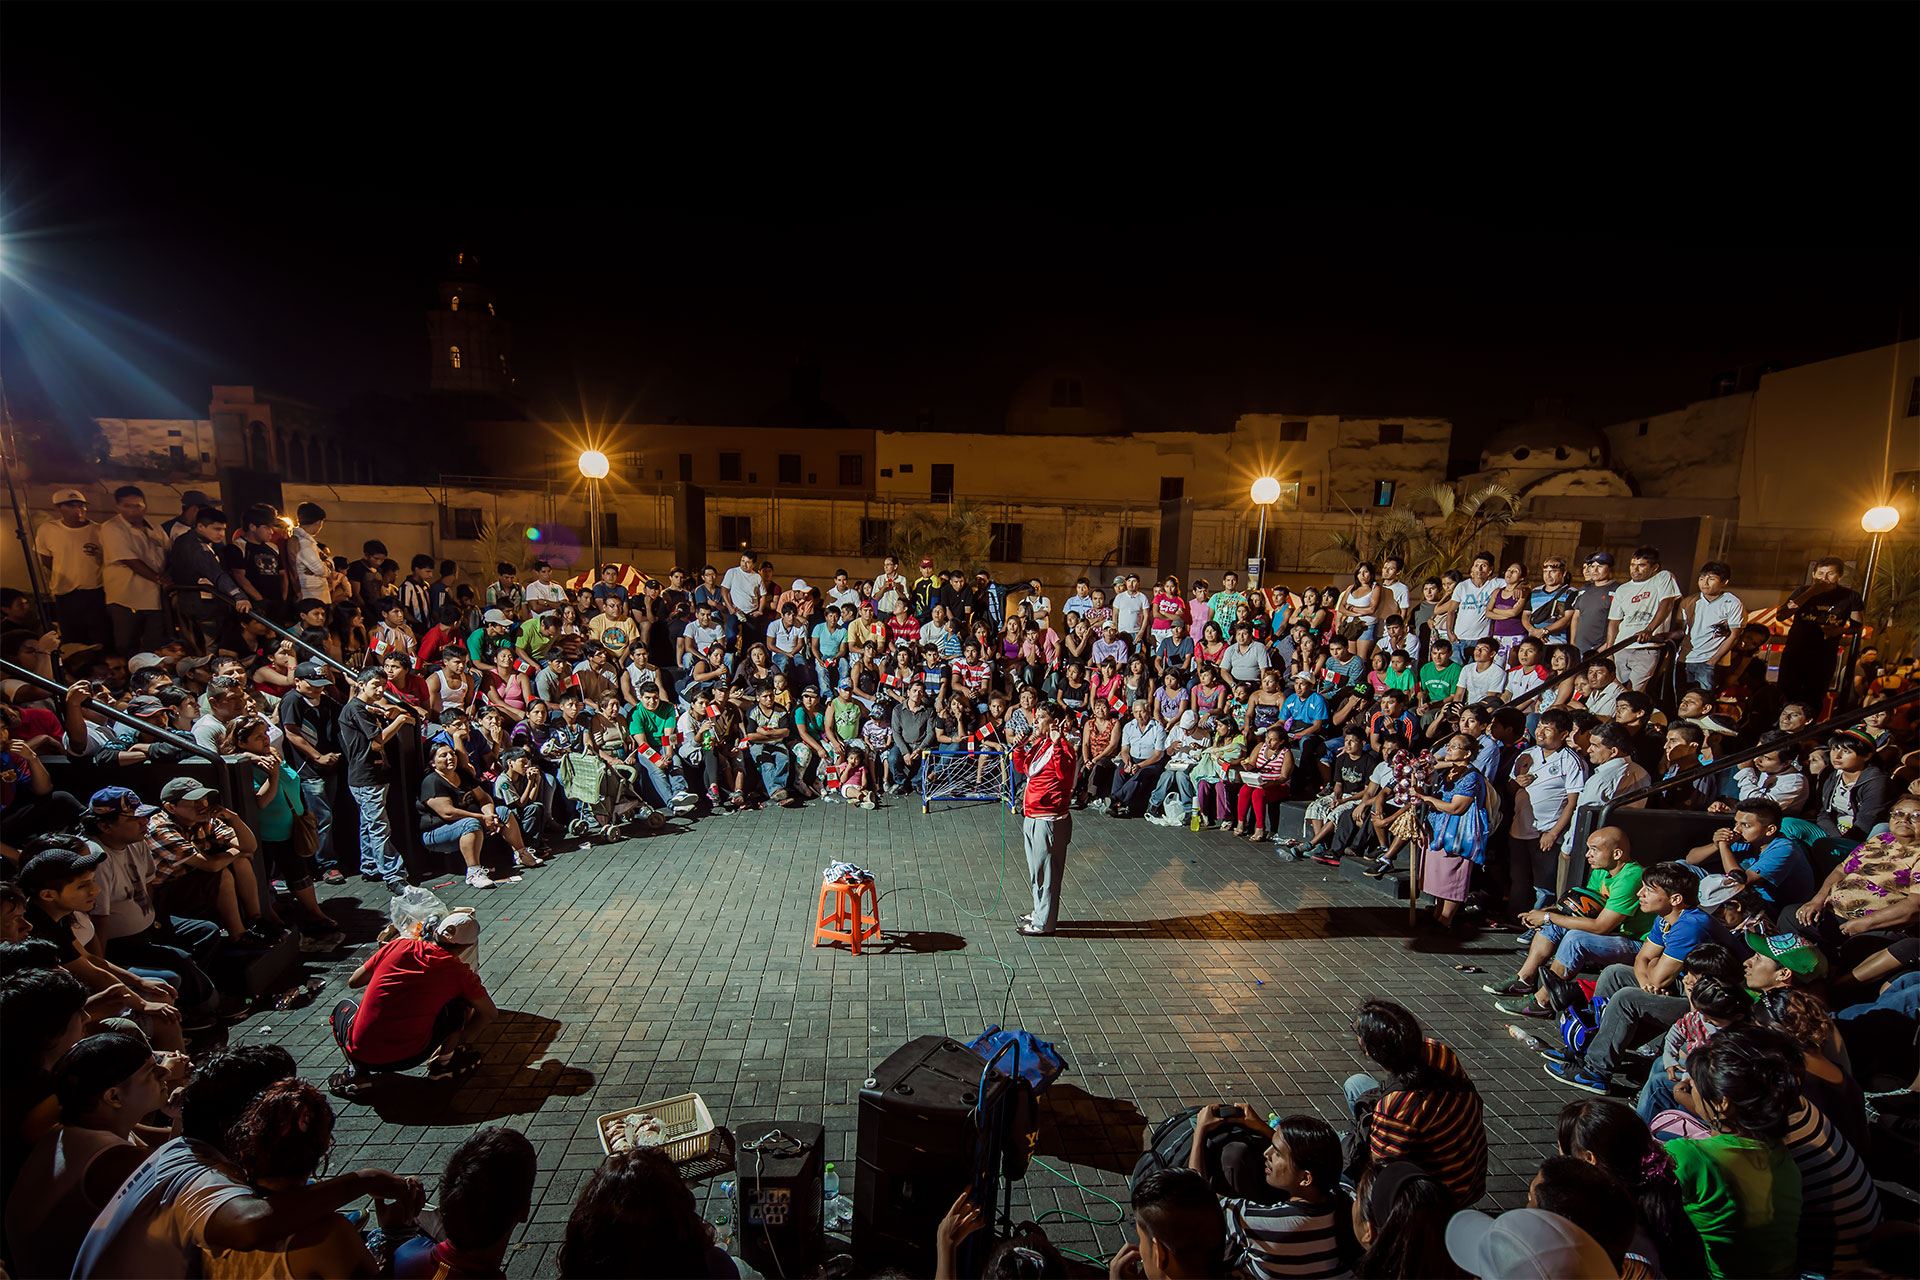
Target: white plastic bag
[
  {"x": 412, "y": 908},
  {"x": 1174, "y": 810}
]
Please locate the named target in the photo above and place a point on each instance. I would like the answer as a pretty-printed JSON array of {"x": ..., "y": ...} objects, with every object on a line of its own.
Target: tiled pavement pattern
[{"x": 1188, "y": 968}]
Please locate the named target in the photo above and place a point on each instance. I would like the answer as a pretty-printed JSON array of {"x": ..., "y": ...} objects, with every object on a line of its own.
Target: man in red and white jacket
[{"x": 1050, "y": 763}]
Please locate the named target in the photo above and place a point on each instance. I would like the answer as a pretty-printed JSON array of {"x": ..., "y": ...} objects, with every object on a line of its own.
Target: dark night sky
[{"x": 1362, "y": 208}]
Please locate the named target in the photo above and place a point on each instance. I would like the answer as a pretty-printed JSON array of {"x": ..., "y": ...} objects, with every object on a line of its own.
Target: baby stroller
[{"x": 607, "y": 804}]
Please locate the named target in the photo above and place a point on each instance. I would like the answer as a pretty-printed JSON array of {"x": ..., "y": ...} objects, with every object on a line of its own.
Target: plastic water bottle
[
  {"x": 1526, "y": 1037},
  {"x": 1193, "y": 820},
  {"x": 830, "y": 1187}
]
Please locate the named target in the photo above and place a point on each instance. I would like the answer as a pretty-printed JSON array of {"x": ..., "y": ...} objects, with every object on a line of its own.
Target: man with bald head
[{"x": 1574, "y": 944}]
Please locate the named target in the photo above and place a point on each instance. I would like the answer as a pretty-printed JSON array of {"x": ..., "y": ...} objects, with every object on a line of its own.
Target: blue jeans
[
  {"x": 447, "y": 837},
  {"x": 169, "y": 957},
  {"x": 1656, "y": 1095},
  {"x": 1580, "y": 952},
  {"x": 774, "y": 764},
  {"x": 828, "y": 673},
  {"x": 1179, "y": 781},
  {"x": 313, "y": 790},
  {"x": 662, "y": 789},
  {"x": 378, "y": 857},
  {"x": 900, "y": 771},
  {"x": 1697, "y": 675}
]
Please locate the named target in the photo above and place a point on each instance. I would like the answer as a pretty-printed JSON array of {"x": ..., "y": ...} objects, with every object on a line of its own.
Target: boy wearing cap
[
  {"x": 203, "y": 863},
  {"x": 69, "y": 549},
  {"x": 107, "y": 1084},
  {"x": 1782, "y": 960},
  {"x": 492, "y": 633},
  {"x": 1594, "y": 603},
  {"x": 423, "y": 1003},
  {"x": 367, "y": 724},
  {"x": 128, "y": 930}
]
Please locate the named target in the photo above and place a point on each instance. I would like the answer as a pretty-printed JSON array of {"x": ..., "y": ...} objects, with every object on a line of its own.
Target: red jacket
[{"x": 1051, "y": 787}]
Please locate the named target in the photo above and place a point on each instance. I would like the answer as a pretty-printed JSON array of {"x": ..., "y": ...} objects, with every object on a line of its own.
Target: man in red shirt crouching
[
  {"x": 1049, "y": 761},
  {"x": 423, "y": 1003}
]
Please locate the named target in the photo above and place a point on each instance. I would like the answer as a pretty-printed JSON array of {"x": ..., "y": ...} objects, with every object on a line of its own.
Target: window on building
[
  {"x": 1644, "y": 425},
  {"x": 453, "y": 356},
  {"x": 1067, "y": 393},
  {"x": 1383, "y": 493},
  {"x": 874, "y": 535},
  {"x": 173, "y": 432},
  {"x": 1172, "y": 487},
  {"x": 459, "y": 522},
  {"x": 1913, "y": 399},
  {"x": 1392, "y": 432},
  {"x": 1006, "y": 542},
  {"x": 1136, "y": 546},
  {"x": 454, "y": 303},
  {"x": 503, "y": 364},
  {"x": 789, "y": 468},
  {"x": 942, "y": 485},
  {"x": 729, "y": 468},
  {"x": 1296, "y": 429},
  {"x": 177, "y": 454},
  {"x": 491, "y": 311},
  {"x": 1289, "y": 499},
  {"x": 609, "y": 529},
  {"x": 906, "y": 468},
  {"x": 853, "y": 470},
  {"x": 686, "y": 468},
  {"x": 736, "y": 532}
]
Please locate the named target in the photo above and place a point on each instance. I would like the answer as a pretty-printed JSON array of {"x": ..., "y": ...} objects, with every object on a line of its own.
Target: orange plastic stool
[{"x": 845, "y": 922}]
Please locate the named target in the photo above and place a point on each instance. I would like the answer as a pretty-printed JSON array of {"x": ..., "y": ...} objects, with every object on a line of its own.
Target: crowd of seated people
[{"x": 1428, "y": 723}]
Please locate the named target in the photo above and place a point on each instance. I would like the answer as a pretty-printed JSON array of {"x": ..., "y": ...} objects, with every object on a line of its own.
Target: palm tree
[
  {"x": 953, "y": 538},
  {"x": 1426, "y": 547},
  {"x": 1893, "y": 601}
]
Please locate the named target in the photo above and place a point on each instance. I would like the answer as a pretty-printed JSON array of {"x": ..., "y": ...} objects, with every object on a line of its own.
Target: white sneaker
[{"x": 477, "y": 878}]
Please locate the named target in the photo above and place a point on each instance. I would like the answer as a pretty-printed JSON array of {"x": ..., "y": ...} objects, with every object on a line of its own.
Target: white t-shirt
[
  {"x": 887, "y": 591},
  {"x": 1128, "y": 608},
  {"x": 156, "y": 1223},
  {"x": 1635, "y": 603},
  {"x": 782, "y": 638},
  {"x": 1713, "y": 622},
  {"x": 308, "y": 569},
  {"x": 75, "y": 553},
  {"x": 846, "y": 598},
  {"x": 539, "y": 592},
  {"x": 1042, "y": 608},
  {"x": 700, "y": 639},
  {"x": 744, "y": 589},
  {"x": 121, "y": 541},
  {"x": 1537, "y": 805},
  {"x": 1398, "y": 590},
  {"x": 1471, "y": 622},
  {"x": 1603, "y": 784},
  {"x": 1478, "y": 684},
  {"x": 125, "y": 904}
]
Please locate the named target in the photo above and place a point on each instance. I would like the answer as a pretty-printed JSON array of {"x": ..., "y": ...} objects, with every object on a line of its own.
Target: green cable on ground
[{"x": 1119, "y": 1218}]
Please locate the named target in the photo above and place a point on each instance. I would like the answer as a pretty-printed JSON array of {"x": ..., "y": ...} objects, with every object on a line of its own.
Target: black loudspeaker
[
  {"x": 921, "y": 1142},
  {"x": 779, "y": 1167},
  {"x": 241, "y": 487},
  {"x": 690, "y": 529},
  {"x": 1176, "y": 537}
]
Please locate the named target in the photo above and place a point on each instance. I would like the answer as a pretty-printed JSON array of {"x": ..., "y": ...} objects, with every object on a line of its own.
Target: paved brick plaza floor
[{"x": 1188, "y": 968}]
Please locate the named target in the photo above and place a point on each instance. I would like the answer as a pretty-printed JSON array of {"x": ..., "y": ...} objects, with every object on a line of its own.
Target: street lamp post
[
  {"x": 1266, "y": 492},
  {"x": 1878, "y": 522},
  {"x": 593, "y": 465}
]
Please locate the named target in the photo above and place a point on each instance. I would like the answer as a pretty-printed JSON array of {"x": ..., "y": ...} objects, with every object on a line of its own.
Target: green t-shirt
[
  {"x": 480, "y": 646},
  {"x": 1743, "y": 1196},
  {"x": 1439, "y": 681},
  {"x": 654, "y": 726},
  {"x": 1401, "y": 680},
  {"x": 533, "y": 639},
  {"x": 1621, "y": 891},
  {"x": 847, "y": 719}
]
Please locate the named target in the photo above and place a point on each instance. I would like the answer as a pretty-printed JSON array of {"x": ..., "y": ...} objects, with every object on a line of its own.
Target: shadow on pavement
[
  {"x": 1313, "y": 922},
  {"x": 509, "y": 1081},
  {"x": 1100, "y": 1133}
]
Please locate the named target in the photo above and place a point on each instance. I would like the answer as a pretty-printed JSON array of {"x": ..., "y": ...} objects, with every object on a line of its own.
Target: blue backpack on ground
[{"x": 1040, "y": 1063}]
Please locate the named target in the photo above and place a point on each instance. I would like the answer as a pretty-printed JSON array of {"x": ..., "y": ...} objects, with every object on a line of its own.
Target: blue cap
[{"x": 111, "y": 800}]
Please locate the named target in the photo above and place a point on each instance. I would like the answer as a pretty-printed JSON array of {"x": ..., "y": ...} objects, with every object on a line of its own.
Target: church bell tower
[{"x": 471, "y": 347}]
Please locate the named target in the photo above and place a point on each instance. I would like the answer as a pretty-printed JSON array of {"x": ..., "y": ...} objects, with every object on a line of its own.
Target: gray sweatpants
[{"x": 1046, "y": 840}]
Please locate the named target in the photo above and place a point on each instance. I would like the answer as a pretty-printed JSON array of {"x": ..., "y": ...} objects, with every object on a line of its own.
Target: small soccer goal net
[{"x": 966, "y": 775}]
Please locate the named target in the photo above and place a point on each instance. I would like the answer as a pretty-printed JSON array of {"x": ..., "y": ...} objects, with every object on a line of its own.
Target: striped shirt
[
  {"x": 1287, "y": 1239},
  {"x": 1441, "y": 1130},
  {"x": 1839, "y": 1205}
]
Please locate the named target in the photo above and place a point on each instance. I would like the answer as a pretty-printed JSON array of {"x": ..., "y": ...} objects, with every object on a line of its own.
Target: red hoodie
[{"x": 1050, "y": 785}]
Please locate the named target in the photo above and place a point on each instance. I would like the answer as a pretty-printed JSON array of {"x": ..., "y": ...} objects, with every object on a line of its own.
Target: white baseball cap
[
  {"x": 141, "y": 661},
  {"x": 800, "y": 584},
  {"x": 496, "y": 617},
  {"x": 1525, "y": 1244},
  {"x": 459, "y": 928},
  {"x": 1717, "y": 891},
  {"x": 67, "y": 495}
]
